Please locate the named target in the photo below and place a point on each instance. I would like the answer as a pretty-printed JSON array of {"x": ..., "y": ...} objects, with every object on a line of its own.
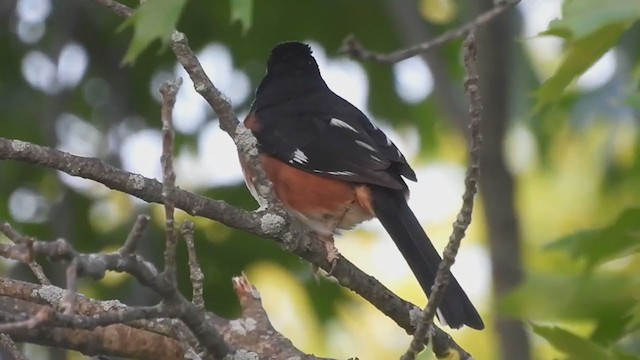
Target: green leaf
[
  {"x": 581, "y": 18},
  {"x": 592, "y": 27},
  {"x": 569, "y": 343},
  {"x": 633, "y": 100},
  {"x": 154, "y": 19},
  {"x": 634, "y": 323},
  {"x": 597, "y": 246},
  {"x": 583, "y": 53},
  {"x": 242, "y": 11},
  {"x": 570, "y": 297},
  {"x": 576, "y": 347}
]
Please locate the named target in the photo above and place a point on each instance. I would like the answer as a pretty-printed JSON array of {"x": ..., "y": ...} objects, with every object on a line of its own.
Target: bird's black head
[
  {"x": 291, "y": 72},
  {"x": 292, "y": 59}
]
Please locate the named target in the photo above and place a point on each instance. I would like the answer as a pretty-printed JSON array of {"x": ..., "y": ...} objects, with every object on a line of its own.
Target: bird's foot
[{"x": 332, "y": 253}]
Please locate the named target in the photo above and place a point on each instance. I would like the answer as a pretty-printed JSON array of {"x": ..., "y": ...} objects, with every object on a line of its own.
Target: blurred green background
[{"x": 560, "y": 189}]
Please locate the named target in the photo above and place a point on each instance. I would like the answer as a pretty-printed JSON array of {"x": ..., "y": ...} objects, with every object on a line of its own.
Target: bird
[{"x": 333, "y": 169}]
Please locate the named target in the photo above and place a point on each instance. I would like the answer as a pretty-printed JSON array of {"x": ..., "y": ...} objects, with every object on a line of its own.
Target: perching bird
[{"x": 333, "y": 168}]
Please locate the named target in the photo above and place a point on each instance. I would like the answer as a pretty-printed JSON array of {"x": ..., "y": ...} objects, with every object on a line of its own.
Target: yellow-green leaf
[
  {"x": 579, "y": 57},
  {"x": 581, "y": 18},
  {"x": 634, "y": 322}
]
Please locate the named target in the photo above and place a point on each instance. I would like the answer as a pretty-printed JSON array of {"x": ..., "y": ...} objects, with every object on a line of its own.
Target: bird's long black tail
[{"x": 397, "y": 218}]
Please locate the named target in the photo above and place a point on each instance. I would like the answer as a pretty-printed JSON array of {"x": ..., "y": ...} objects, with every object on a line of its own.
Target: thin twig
[
  {"x": 464, "y": 216},
  {"x": 169, "y": 90},
  {"x": 13, "y": 235},
  {"x": 135, "y": 234},
  {"x": 352, "y": 47},
  {"x": 187, "y": 341},
  {"x": 17, "y": 252},
  {"x": 40, "y": 317},
  {"x": 70, "y": 297},
  {"x": 7, "y": 343},
  {"x": 118, "y": 8},
  {"x": 195, "y": 272}
]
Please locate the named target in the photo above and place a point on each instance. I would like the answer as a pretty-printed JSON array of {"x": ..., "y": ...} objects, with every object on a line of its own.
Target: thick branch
[
  {"x": 118, "y": 340},
  {"x": 149, "y": 190},
  {"x": 135, "y": 339}
]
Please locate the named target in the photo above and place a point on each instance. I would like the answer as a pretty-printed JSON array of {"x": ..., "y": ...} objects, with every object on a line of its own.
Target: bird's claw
[{"x": 332, "y": 253}]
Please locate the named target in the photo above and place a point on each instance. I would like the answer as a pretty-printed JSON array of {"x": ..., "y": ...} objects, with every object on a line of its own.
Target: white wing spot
[
  {"x": 366, "y": 146},
  {"x": 340, "y": 173},
  {"x": 300, "y": 157},
  {"x": 375, "y": 158},
  {"x": 443, "y": 321},
  {"x": 342, "y": 124}
]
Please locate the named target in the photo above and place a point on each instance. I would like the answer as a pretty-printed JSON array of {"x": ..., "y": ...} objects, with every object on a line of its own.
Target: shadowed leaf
[
  {"x": 596, "y": 246},
  {"x": 546, "y": 296},
  {"x": 581, "y": 18},
  {"x": 575, "y": 346},
  {"x": 242, "y": 11}
]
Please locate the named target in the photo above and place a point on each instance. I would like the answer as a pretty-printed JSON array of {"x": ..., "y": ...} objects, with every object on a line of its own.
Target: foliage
[
  {"x": 603, "y": 293},
  {"x": 604, "y": 297}
]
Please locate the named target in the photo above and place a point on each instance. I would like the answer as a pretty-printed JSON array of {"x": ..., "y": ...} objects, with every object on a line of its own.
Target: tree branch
[
  {"x": 352, "y": 47},
  {"x": 135, "y": 234},
  {"x": 137, "y": 339},
  {"x": 195, "y": 272}
]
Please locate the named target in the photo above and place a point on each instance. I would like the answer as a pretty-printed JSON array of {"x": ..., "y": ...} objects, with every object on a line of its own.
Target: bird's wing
[{"x": 328, "y": 136}]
